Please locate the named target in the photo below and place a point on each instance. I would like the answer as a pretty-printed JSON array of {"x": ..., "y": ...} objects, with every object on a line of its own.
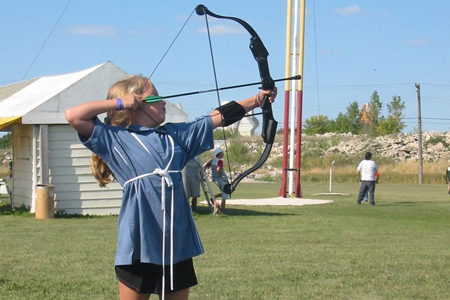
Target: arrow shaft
[{"x": 227, "y": 88}]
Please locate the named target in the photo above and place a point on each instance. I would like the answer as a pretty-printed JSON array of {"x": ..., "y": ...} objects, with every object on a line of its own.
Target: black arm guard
[{"x": 231, "y": 113}]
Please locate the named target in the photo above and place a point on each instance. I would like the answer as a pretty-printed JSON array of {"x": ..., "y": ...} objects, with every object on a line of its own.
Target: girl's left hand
[{"x": 271, "y": 93}]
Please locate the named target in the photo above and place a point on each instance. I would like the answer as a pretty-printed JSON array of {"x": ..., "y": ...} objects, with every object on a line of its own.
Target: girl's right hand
[{"x": 131, "y": 101}]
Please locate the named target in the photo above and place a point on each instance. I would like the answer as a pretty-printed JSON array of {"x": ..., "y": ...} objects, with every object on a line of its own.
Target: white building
[{"x": 46, "y": 150}]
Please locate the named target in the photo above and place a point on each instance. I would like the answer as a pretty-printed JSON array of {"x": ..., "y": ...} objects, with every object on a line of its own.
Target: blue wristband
[{"x": 119, "y": 104}]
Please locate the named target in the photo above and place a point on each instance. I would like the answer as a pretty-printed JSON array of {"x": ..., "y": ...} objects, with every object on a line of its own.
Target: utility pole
[{"x": 419, "y": 116}]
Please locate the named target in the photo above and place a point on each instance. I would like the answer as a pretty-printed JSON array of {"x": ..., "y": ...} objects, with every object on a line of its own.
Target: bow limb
[{"x": 269, "y": 129}]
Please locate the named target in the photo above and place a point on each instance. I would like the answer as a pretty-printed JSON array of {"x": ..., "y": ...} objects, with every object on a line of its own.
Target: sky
[{"x": 351, "y": 49}]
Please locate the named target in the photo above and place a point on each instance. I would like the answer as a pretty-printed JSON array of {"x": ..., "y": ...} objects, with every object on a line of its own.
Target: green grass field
[{"x": 398, "y": 249}]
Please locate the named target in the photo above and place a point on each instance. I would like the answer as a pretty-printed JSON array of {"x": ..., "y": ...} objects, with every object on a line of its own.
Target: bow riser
[{"x": 269, "y": 123}]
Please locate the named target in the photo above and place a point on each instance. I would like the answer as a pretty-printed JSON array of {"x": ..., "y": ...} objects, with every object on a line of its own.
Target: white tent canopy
[{"x": 45, "y": 99}]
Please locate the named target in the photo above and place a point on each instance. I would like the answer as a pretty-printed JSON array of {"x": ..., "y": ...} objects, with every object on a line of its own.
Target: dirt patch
[{"x": 275, "y": 201}]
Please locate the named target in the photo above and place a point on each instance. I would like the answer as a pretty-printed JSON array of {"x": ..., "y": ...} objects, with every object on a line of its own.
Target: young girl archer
[{"x": 157, "y": 236}]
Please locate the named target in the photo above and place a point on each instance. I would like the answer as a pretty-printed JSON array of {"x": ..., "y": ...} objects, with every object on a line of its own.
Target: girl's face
[{"x": 156, "y": 111}]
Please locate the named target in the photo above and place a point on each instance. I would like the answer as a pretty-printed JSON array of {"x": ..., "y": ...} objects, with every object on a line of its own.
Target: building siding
[{"x": 76, "y": 190}]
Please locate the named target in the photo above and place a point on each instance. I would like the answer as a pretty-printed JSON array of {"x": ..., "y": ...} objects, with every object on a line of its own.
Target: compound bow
[{"x": 269, "y": 129}]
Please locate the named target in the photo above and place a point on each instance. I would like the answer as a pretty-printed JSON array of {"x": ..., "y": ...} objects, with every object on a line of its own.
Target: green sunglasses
[{"x": 153, "y": 99}]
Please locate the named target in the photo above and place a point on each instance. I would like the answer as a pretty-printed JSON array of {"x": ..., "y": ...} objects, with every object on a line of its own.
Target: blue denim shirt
[{"x": 140, "y": 223}]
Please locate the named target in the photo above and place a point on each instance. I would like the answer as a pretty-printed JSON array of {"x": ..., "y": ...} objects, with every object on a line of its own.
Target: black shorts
[{"x": 146, "y": 278}]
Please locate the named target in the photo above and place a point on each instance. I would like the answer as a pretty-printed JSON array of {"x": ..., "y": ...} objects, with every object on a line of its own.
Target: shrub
[
  {"x": 6, "y": 141},
  {"x": 436, "y": 140}
]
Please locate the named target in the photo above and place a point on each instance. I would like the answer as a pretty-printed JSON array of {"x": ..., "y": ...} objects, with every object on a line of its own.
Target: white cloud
[
  {"x": 93, "y": 30},
  {"x": 349, "y": 10},
  {"x": 417, "y": 42},
  {"x": 223, "y": 30}
]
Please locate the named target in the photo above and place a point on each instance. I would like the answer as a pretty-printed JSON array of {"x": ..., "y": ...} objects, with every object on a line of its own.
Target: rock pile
[{"x": 400, "y": 147}]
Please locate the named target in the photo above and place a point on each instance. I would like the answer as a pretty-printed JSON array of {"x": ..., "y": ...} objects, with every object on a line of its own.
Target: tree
[
  {"x": 395, "y": 108},
  {"x": 350, "y": 121},
  {"x": 319, "y": 124},
  {"x": 375, "y": 108},
  {"x": 373, "y": 114},
  {"x": 393, "y": 123},
  {"x": 6, "y": 141}
]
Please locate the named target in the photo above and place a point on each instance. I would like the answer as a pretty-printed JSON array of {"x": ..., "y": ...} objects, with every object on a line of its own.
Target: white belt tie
[{"x": 165, "y": 179}]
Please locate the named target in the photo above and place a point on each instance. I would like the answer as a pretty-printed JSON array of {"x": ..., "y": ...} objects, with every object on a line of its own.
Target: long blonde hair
[{"x": 129, "y": 85}]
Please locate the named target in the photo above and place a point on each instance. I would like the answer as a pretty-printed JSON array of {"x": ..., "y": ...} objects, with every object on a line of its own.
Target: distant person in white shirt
[{"x": 366, "y": 170}]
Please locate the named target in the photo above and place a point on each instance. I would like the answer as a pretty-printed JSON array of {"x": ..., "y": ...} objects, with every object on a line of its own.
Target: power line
[
  {"x": 443, "y": 119},
  {"x": 48, "y": 37},
  {"x": 436, "y": 84},
  {"x": 363, "y": 85}
]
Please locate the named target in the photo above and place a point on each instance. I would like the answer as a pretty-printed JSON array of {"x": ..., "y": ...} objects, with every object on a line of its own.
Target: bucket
[{"x": 45, "y": 201}]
